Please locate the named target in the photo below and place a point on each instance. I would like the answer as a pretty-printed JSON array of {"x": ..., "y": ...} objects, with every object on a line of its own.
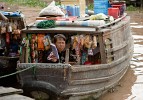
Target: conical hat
[{"x": 51, "y": 9}]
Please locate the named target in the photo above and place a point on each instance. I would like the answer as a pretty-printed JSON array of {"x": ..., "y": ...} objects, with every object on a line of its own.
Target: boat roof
[{"x": 72, "y": 29}]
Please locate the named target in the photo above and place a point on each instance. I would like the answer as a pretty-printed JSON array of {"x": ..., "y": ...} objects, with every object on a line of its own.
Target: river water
[{"x": 131, "y": 85}]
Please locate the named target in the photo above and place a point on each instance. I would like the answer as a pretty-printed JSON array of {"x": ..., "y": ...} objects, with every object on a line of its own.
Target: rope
[{"x": 16, "y": 72}]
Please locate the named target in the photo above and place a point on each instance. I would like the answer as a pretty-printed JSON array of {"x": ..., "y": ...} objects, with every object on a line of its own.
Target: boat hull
[{"x": 116, "y": 50}]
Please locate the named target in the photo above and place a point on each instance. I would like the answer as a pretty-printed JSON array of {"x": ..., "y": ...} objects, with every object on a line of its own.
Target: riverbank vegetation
[
  {"x": 31, "y": 3},
  {"x": 44, "y": 3}
]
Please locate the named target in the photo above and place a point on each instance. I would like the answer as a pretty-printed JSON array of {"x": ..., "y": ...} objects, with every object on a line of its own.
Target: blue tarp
[{"x": 13, "y": 14}]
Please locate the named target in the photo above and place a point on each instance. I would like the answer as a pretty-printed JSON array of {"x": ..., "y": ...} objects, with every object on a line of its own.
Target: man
[{"x": 55, "y": 54}]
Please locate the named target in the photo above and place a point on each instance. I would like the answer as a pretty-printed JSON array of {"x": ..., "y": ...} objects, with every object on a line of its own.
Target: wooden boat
[
  {"x": 9, "y": 26},
  {"x": 52, "y": 80}
]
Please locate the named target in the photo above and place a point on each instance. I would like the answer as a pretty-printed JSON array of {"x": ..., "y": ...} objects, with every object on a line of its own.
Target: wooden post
[
  {"x": 102, "y": 50},
  {"x": 67, "y": 56}
]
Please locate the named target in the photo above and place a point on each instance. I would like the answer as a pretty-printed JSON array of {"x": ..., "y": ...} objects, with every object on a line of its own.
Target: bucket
[
  {"x": 113, "y": 12},
  {"x": 123, "y": 7},
  {"x": 120, "y": 8}
]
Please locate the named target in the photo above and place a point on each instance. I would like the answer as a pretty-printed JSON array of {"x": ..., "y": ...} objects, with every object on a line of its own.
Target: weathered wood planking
[
  {"x": 9, "y": 90},
  {"x": 9, "y": 93},
  {"x": 15, "y": 97}
]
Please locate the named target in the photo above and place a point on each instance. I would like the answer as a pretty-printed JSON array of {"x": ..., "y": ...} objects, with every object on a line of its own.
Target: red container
[
  {"x": 113, "y": 12},
  {"x": 70, "y": 18},
  {"x": 120, "y": 8}
]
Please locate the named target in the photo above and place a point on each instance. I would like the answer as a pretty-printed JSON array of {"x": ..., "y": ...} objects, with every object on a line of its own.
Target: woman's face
[{"x": 60, "y": 44}]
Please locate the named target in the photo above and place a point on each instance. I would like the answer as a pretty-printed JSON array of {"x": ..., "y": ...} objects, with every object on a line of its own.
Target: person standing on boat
[{"x": 50, "y": 55}]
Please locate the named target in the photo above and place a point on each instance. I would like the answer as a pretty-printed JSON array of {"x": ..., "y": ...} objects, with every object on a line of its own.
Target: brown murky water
[{"x": 131, "y": 86}]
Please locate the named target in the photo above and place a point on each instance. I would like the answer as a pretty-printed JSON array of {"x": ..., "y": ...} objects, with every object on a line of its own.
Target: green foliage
[
  {"x": 58, "y": 3},
  {"x": 131, "y": 8},
  {"x": 91, "y": 7},
  {"x": 46, "y": 24},
  {"x": 32, "y": 3}
]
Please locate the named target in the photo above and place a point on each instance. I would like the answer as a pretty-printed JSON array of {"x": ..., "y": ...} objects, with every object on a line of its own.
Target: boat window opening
[
  {"x": 10, "y": 37},
  {"x": 79, "y": 49},
  {"x": 108, "y": 47}
]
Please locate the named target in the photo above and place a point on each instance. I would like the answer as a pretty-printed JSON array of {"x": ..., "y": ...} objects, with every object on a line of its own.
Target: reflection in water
[
  {"x": 137, "y": 39},
  {"x": 137, "y": 26},
  {"x": 137, "y": 66},
  {"x": 136, "y": 92},
  {"x": 133, "y": 23},
  {"x": 138, "y": 36},
  {"x": 140, "y": 58},
  {"x": 138, "y": 48}
]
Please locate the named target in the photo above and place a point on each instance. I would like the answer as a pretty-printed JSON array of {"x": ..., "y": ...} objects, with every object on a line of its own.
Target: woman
[{"x": 55, "y": 53}]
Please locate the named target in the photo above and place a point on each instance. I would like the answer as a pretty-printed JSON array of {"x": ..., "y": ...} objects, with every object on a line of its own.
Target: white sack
[{"x": 51, "y": 9}]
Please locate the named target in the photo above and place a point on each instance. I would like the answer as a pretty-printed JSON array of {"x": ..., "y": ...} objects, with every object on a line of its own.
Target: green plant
[
  {"x": 91, "y": 7},
  {"x": 32, "y": 3},
  {"x": 131, "y": 8}
]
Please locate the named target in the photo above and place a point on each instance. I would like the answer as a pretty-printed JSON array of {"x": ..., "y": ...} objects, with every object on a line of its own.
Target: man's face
[{"x": 60, "y": 44}]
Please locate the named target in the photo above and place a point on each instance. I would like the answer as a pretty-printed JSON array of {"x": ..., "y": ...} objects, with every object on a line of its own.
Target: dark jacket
[
  {"x": 46, "y": 57},
  {"x": 2, "y": 44}
]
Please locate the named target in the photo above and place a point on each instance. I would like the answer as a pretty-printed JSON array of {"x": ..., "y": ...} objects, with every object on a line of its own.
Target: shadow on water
[{"x": 123, "y": 90}]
